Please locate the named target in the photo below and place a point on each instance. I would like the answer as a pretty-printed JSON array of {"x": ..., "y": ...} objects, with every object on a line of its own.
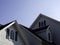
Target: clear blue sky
[{"x": 26, "y": 11}]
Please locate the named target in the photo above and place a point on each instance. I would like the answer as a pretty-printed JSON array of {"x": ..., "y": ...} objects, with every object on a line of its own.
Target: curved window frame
[{"x": 12, "y": 35}]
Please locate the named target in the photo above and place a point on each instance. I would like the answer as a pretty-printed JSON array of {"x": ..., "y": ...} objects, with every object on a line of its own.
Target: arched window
[
  {"x": 7, "y": 33},
  {"x": 39, "y": 24},
  {"x": 44, "y": 22},
  {"x": 12, "y": 35},
  {"x": 49, "y": 36}
]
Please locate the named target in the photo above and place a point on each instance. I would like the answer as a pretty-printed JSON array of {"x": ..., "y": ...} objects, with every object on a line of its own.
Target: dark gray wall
[{"x": 54, "y": 27}]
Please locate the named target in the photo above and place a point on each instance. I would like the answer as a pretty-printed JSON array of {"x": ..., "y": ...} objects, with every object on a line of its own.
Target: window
[
  {"x": 12, "y": 35},
  {"x": 39, "y": 24},
  {"x": 49, "y": 36},
  {"x": 16, "y": 36},
  {"x": 7, "y": 33},
  {"x": 44, "y": 23}
]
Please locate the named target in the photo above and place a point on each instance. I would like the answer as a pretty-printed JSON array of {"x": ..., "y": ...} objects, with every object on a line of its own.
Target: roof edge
[
  {"x": 7, "y": 25},
  {"x": 38, "y": 18}
]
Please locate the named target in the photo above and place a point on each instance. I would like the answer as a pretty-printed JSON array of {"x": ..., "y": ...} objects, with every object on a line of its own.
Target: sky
[{"x": 26, "y": 11}]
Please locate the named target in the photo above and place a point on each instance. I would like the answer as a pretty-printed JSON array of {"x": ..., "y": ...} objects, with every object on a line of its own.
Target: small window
[
  {"x": 16, "y": 36},
  {"x": 44, "y": 23},
  {"x": 49, "y": 36},
  {"x": 39, "y": 24},
  {"x": 7, "y": 33},
  {"x": 12, "y": 35}
]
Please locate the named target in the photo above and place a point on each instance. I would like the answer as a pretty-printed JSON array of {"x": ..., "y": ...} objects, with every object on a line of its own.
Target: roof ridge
[{"x": 41, "y": 15}]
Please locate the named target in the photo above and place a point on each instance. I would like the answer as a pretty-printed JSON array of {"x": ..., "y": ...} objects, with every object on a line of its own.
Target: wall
[
  {"x": 4, "y": 41},
  {"x": 42, "y": 34}
]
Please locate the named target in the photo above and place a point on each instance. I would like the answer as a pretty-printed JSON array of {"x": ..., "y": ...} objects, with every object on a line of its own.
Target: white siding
[{"x": 4, "y": 41}]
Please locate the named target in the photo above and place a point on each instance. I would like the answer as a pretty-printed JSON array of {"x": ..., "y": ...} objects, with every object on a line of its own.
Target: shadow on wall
[{"x": 13, "y": 36}]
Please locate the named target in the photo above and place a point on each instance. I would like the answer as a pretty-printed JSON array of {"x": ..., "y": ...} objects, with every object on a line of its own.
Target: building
[
  {"x": 54, "y": 28},
  {"x": 43, "y": 31},
  {"x": 11, "y": 34}
]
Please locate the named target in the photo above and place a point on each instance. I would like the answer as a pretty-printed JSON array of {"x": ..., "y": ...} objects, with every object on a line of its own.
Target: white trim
[
  {"x": 8, "y": 26},
  {"x": 48, "y": 31}
]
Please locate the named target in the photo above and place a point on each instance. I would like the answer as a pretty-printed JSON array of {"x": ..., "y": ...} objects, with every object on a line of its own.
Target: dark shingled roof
[
  {"x": 2, "y": 26},
  {"x": 38, "y": 35}
]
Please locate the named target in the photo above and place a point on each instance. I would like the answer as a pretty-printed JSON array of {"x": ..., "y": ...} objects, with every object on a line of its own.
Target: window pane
[{"x": 12, "y": 35}]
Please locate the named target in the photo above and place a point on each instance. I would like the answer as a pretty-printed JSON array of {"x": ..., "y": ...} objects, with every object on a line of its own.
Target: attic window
[
  {"x": 39, "y": 24},
  {"x": 48, "y": 36},
  {"x": 42, "y": 23}
]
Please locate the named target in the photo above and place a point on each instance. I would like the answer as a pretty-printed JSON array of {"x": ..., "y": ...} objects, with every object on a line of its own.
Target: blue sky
[{"x": 26, "y": 11}]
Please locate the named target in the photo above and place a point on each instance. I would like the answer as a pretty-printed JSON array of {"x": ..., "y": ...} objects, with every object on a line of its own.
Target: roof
[
  {"x": 18, "y": 30},
  {"x": 36, "y": 35},
  {"x": 3, "y": 26},
  {"x": 37, "y": 29},
  {"x": 39, "y": 17},
  {"x": 41, "y": 29}
]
